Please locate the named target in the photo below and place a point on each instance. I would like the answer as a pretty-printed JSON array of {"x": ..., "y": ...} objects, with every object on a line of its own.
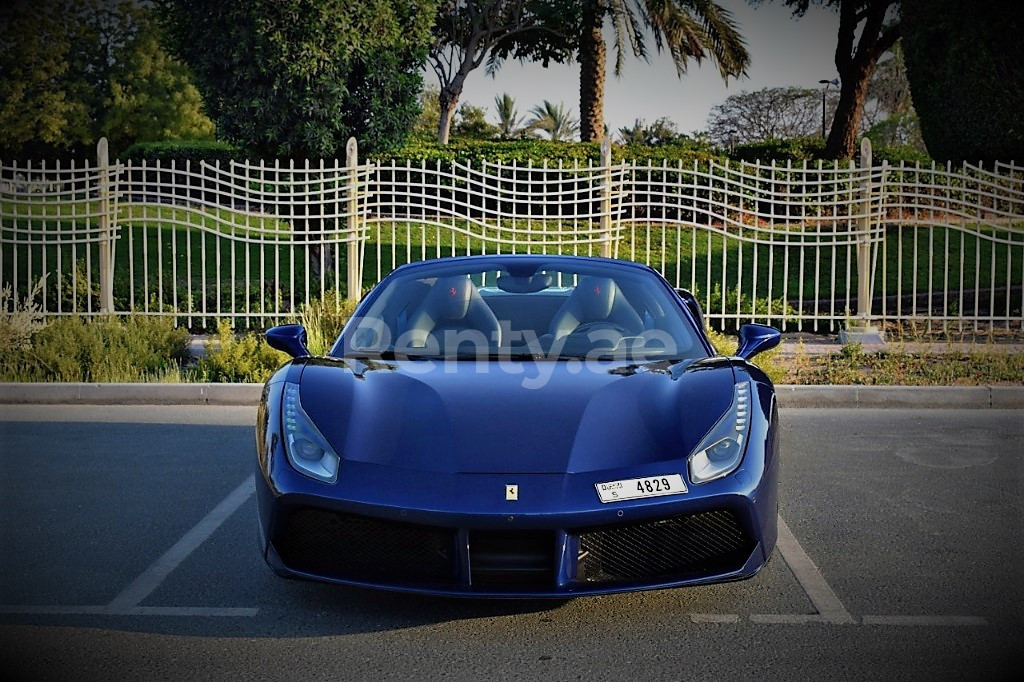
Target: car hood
[{"x": 550, "y": 417}]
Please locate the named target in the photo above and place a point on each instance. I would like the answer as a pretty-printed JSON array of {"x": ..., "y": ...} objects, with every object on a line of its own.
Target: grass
[{"x": 897, "y": 366}]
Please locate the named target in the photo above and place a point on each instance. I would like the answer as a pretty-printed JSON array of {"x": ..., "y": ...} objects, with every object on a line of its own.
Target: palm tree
[
  {"x": 685, "y": 28},
  {"x": 510, "y": 125},
  {"x": 554, "y": 120}
]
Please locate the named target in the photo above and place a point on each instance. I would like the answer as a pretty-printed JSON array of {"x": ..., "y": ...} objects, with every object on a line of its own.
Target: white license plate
[{"x": 634, "y": 488}]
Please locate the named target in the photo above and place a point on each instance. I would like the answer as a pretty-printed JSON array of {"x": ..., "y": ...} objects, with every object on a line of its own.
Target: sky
[{"x": 784, "y": 51}]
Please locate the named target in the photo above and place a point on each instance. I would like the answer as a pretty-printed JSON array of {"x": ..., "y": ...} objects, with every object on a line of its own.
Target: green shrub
[
  {"x": 111, "y": 349},
  {"x": 794, "y": 149},
  {"x": 238, "y": 358},
  {"x": 195, "y": 151},
  {"x": 523, "y": 152},
  {"x": 323, "y": 321}
]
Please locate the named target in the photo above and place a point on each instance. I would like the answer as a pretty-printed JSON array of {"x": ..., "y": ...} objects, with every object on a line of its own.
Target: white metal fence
[{"x": 806, "y": 246}]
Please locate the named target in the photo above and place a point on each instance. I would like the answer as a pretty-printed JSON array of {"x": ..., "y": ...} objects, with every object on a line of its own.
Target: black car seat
[
  {"x": 595, "y": 300},
  {"x": 453, "y": 303}
]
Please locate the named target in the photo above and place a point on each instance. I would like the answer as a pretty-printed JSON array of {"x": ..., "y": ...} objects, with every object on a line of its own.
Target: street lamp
[{"x": 824, "y": 92}]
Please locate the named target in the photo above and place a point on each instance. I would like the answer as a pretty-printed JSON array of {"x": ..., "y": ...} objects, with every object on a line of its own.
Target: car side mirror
[
  {"x": 690, "y": 301},
  {"x": 757, "y": 338},
  {"x": 289, "y": 338}
]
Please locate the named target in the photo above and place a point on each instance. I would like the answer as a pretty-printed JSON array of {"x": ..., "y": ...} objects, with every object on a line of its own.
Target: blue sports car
[{"x": 519, "y": 426}]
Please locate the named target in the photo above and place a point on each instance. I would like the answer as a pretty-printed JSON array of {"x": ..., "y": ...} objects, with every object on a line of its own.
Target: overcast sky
[{"x": 784, "y": 51}]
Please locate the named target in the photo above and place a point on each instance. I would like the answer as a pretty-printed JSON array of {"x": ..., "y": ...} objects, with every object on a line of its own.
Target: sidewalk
[{"x": 789, "y": 396}]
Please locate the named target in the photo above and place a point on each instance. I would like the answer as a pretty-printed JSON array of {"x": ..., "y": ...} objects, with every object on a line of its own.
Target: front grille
[
  {"x": 512, "y": 559},
  {"x": 683, "y": 546},
  {"x": 357, "y": 548}
]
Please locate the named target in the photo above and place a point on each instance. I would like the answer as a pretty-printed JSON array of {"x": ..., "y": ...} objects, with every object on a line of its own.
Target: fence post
[
  {"x": 606, "y": 198},
  {"x": 862, "y": 331},
  {"x": 106, "y": 244},
  {"x": 353, "y": 262}
]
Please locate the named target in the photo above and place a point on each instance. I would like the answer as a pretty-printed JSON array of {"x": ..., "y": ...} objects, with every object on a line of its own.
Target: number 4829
[{"x": 653, "y": 485}]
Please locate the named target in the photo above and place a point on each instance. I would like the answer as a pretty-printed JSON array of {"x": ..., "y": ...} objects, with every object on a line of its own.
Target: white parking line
[
  {"x": 145, "y": 584},
  {"x": 714, "y": 618},
  {"x": 825, "y": 601}
]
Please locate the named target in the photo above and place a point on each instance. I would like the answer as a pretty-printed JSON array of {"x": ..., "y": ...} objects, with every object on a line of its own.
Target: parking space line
[
  {"x": 714, "y": 618},
  {"x": 825, "y": 601},
  {"x": 790, "y": 618},
  {"x": 145, "y": 584},
  {"x": 923, "y": 620}
]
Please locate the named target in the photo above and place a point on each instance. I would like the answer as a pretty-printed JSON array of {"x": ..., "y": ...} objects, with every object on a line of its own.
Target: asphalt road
[{"x": 128, "y": 550}]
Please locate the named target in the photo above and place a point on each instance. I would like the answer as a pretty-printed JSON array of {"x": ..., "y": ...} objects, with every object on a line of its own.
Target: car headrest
[
  {"x": 453, "y": 297},
  {"x": 596, "y": 296}
]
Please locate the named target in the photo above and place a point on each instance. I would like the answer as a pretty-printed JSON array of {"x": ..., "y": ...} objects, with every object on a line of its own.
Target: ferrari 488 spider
[{"x": 525, "y": 426}]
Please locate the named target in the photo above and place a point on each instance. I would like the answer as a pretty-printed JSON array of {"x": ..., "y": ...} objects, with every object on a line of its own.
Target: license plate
[{"x": 634, "y": 488}]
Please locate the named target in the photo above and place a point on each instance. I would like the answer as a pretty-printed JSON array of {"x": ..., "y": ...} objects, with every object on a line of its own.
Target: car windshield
[{"x": 551, "y": 311}]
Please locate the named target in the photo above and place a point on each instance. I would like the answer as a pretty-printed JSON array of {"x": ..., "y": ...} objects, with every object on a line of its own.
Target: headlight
[
  {"x": 721, "y": 451},
  {"x": 307, "y": 449}
]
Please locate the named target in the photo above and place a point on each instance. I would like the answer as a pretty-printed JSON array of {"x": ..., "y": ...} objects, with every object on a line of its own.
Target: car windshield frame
[{"x": 471, "y": 309}]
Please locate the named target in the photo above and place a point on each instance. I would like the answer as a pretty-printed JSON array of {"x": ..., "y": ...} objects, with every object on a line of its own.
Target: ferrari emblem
[{"x": 512, "y": 492}]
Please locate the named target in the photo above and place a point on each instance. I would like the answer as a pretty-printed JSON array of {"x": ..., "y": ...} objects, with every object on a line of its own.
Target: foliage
[
  {"x": 866, "y": 32},
  {"x": 297, "y": 78},
  {"x": 74, "y": 70},
  {"x": 19, "y": 319},
  {"x": 793, "y": 149},
  {"x": 190, "y": 150},
  {"x": 472, "y": 123},
  {"x": 965, "y": 63},
  {"x": 510, "y": 124},
  {"x": 768, "y": 114},
  {"x": 555, "y": 120},
  {"x": 525, "y": 151},
  {"x": 136, "y": 348},
  {"x": 323, "y": 321},
  {"x": 152, "y": 97},
  {"x": 686, "y": 29},
  {"x": 467, "y": 33},
  {"x": 233, "y": 358},
  {"x": 661, "y": 132},
  {"x": 898, "y": 366},
  {"x": 430, "y": 113}
]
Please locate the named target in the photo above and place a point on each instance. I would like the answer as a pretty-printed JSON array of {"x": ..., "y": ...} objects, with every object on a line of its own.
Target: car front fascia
[{"x": 564, "y": 502}]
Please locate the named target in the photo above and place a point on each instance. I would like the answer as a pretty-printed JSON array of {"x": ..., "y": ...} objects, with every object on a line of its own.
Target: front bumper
[{"x": 455, "y": 534}]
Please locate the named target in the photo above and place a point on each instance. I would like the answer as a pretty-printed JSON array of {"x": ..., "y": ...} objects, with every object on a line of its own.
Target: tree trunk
[
  {"x": 853, "y": 94},
  {"x": 448, "y": 100},
  {"x": 592, "y": 73}
]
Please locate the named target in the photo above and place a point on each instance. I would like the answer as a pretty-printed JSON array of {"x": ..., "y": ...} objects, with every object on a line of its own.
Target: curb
[{"x": 789, "y": 396}]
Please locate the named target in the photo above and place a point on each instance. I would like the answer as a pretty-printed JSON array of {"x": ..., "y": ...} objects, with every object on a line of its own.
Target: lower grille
[
  {"x": 512, "y": 559},
  {"x": 357, "y": 548},
  {"x": 683, "y": 546}
]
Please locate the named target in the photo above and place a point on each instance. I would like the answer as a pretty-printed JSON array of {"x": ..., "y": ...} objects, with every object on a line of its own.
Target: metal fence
[{"x": 809, "y": 246}]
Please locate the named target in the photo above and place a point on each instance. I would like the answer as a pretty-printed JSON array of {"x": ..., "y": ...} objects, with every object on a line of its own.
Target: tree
[
  {"x": 965, "y": 64},
  {"x": 297, "y": 78},
  {"x": 78, "y": 69},
  {"x": 152, "y": 98},
  {"x": 767, "y": 114},
  {"x": 468, "y": 32},
  {"x": 510, "y": 124},
  {"x": 661, "y": 132},
  {"x": 867, "y": 30},
  {"x": 472, "y": 123},
  {"x": 687, "y": 29},
  {"x": 555, "y": 120}
]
